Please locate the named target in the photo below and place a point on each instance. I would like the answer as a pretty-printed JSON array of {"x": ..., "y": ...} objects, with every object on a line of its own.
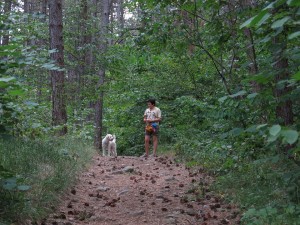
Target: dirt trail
[{"x": 135, "y": 191}]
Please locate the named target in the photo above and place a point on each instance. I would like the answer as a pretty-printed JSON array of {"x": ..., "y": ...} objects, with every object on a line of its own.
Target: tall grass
[{"x": 47, "y": 166}]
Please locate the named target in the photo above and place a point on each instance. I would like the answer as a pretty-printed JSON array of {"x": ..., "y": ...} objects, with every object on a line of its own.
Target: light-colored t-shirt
[{"x": 152, "y": 114}]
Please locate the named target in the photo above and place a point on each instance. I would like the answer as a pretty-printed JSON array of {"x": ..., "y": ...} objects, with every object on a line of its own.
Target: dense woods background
[{"x": 225, "y": 75}]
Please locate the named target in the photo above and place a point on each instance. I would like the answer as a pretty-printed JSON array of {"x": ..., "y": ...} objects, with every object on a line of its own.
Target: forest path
[{"x": 137, "y": 191}]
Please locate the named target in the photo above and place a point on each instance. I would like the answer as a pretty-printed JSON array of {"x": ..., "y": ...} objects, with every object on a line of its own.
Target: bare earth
[{"x": 135, "y": 191}]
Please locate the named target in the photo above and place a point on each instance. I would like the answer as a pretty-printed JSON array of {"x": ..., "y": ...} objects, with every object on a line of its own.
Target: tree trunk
[
  {"x": 26, "y": 6},
  {"x": 44, "y": 7},
  {"x": 284, "y": 109},
  {"x": 251, "y": 53},
  {"x": 59, "y": 115},
  {"x": 120, "y": 15},
  {"x": 7, "y": 10},
  {"x": 103, "y": 43}
]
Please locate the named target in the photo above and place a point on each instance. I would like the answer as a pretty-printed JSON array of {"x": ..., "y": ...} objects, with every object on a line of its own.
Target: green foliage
[
  {"x": 18, "y": 87},
  {"x": 266, "y": 189}
]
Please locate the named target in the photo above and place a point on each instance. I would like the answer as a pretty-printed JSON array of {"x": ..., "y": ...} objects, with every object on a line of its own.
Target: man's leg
[
  {"x": 147, "y": 140},
  {"x": 155, "y": 143}
]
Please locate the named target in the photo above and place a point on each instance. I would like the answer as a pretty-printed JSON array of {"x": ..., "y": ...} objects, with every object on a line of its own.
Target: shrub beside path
[{"x": 137, "y": 191}]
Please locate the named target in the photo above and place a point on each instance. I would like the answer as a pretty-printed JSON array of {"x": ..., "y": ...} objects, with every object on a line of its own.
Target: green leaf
[
  {"x": 263, "y": 19},
  {"x": 49, "y": 66},
  {"x": 294, "y": 35},
  {"x": 275, "y": 159},
  {"x": 247, "y": 23},
  {"x": 281, "y": 22},
  {"x": 251, "y": 129},
  {"x": 10, "y": 183},
  {"x": 36, "y": 125},
  {"x": 257, "y": 20},
  {"x": 7, "y": 79},
  {"x": 252, "y": 95},
  {"x": 236, "y": 131},
  {"x": 296, "y": 76},
  {"x": 275, "y": 129},
  {"x": 270, "y": 6},
  {"x": 272, "y": 138},
  {"x": 23, "y": 187},
  {"x": 16, "y": 92},
  {"x": 30, "y": 103},
  {"x": 258, "y": 17},
  {"x": 240, "y": 93},
  {"x": 290, "y": 136},
  {"x": 261, "y": 126},
  {"x": 222, "y": 99}
]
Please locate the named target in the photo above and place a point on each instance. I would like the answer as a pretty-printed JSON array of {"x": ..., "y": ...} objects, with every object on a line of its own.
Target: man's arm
[{"x": 145, "y": 119}]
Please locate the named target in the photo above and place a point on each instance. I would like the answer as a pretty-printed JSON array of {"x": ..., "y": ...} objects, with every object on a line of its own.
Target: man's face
[{"x": 150, "y": 105}]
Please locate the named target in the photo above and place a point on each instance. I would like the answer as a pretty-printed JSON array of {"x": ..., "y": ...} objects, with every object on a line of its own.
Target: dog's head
[{"x": 109, "y": 137}]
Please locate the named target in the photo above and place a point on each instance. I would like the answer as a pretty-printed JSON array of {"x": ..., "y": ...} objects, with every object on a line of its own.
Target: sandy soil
[{"x": 137, "y": 191}]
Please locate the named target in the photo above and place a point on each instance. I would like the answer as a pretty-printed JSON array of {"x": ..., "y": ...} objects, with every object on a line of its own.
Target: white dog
[
  {"x": 112, "y": 147},
  {"x": 105, "y": 143}
]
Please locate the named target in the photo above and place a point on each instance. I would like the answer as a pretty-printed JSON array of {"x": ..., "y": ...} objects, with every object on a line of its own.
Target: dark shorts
[{"x": 155, "y": 132}]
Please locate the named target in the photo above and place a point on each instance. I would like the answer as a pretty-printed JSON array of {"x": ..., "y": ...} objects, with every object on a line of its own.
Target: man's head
[{"x": 151, "y": 103}]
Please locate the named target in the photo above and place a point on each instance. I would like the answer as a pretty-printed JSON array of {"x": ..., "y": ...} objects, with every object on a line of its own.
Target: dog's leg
[
  {"x": 108, "y": 150},
  {"x": 103, "y": 150},
  {"x": 115, "y": 150}
]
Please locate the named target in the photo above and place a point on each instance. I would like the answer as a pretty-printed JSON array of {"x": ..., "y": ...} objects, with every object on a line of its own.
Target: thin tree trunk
[
  {"x": 42, "y": 43},
  {"x": 103, "y": 43},
  {"x": 120, "y": 15},
  {"x": 44, "y": 7},
  {"x": 7, "y": 10},
  {"x": 284, "y": 109},
  {"x": 251, "y": 53},
  {"x": 59, "y": 115},
  {"x": 26, "y": 6}
]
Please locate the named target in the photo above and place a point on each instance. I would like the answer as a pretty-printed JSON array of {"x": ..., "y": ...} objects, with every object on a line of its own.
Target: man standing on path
[{"x": 152, "y": 117}]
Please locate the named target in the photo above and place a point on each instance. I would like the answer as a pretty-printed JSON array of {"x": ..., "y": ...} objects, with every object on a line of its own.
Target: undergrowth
[
  {"x": 265, "y": 184},
  {"x": 267, "y": 190},
  {"x": 34, "y": 174}
]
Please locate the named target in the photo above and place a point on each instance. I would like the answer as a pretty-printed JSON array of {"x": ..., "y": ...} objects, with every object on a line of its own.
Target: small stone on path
[
  {"x": 102, "y": 188},
  {"x": 128, "y": 169}
]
